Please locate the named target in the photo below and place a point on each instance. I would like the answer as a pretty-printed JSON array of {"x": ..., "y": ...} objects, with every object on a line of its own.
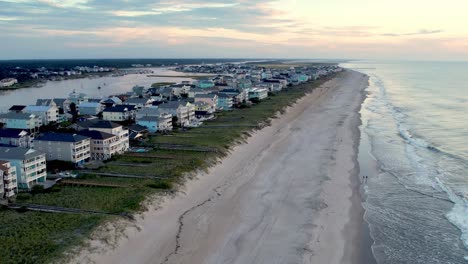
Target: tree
[{"x": 74, "y": 112}]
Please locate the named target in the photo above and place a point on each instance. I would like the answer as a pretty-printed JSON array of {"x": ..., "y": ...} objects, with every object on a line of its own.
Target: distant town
[{"x": 79, "y": 130}]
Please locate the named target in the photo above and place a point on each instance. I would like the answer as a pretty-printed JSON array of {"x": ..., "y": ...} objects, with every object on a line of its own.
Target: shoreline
[{"x": 201, "y": 214}]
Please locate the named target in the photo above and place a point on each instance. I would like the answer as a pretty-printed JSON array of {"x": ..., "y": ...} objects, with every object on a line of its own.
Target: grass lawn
[{"x": 34, "y": 237}]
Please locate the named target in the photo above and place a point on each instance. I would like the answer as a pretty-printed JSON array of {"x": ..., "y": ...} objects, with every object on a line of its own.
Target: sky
[{"x": 335, "y": 29}]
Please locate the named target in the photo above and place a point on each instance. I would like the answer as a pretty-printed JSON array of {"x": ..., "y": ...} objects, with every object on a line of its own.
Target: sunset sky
[{"x": 362, "y": 29}]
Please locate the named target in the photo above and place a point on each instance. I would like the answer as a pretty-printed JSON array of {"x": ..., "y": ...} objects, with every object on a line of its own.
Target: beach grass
[{"x": 36, "y": 237}]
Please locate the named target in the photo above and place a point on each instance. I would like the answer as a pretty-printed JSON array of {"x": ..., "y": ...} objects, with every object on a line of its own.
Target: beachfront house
[
  {"x": 103, "y": 146},
  {"x": 203, "y": 110},
  {"x": 26, "y": 121},
  {"x": 238, "y": 96},
  {"x": 119, "y": 113},
  {"x": 150, "y": 122},
  {"x": 90, "y": 108},
  {"x": 178, "y": 110},
  {"x": 49, "y": 114},
  {"x": 30, "y": 165},
  {"x": 258, "y": 94},
  {"x": 15, "y": 137},
  {"x": 123, "y": 137},
  {"x": 62, "y": 146},
  {"x": 8, "y": 181},
  {"x": 211, "y": 99},
  {"x": 164, "y": 118},
  {"x": 225, "y": 102}
]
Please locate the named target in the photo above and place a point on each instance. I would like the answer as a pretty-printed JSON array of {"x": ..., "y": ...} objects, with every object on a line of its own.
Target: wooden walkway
[
  {"x": 90, "y": 184},
  {"x": 57, "y": 209},
  {"x": 118, "y": 175}
]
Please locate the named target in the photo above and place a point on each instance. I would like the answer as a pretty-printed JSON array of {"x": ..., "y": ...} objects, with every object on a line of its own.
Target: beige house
[
  {"x": 67, "y": 147},
  {"x": 123, "y": 137},
  {"x": 103, "y": 145},
  {"x": 8, "y": 184}
]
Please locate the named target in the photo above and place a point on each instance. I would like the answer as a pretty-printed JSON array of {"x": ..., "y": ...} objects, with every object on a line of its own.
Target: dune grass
[{"x": 34, "y": 237}]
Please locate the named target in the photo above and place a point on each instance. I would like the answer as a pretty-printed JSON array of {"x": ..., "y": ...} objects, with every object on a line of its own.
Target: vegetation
[
  {"x": 34, "y": 237},
  {"x": 161, "y": 84}
]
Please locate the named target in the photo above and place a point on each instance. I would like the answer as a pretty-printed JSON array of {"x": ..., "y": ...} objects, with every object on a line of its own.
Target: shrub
[
  {"x": 23, "y": 196},
  {"x": 161, "y": 184},
  {"x": 37, "y": 189}
]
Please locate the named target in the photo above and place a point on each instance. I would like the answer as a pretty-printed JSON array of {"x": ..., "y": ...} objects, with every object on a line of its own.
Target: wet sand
[{"x": 289, "y": 195}]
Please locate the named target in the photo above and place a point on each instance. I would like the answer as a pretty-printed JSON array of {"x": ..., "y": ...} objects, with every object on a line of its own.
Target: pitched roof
[
  {"x": 94, "y": 134},
  {"x": 17, "y": 108},
  {"x": 37, "y": 108},
  {"x": 12, "y": 133},
  {"x": 45, "y": 102},
  {"x": 14, "y": 115},
  {"x": 120, "y": 108},
  {"x": 211, "y": 96},
  {"x": 170, "y": 104},
  {"x": 98, "y": 124},
  {"x": 8, "y": 153},
  {"x": 136, "y": 100},
  {"x": 149, "y": 118},
  {"x": 60, "y": 137},
  {"x": 137, "y": 128}
]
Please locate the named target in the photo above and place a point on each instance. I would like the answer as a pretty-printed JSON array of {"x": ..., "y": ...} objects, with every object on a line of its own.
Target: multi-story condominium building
[
  {"x": 26, "y": 121},
  {"x": 225, "y": 101},
  {"x": 15, "y": 137},
  {"x": 258, "y": 93},
  {"x": 47, "y": 113},
  {"x": 119, "y": 113},
  {"x": 123, "y": 136},
  {"x": 211, "y": 99},
  {"x": 90, "y": 108},
  {"x": 103, "y": 145},
  {"x": 67, "y": 147},
  {"x": 30, "y": 165},
  {"x": 177, "y": 109},
  {"x": 8, "y": 181}
]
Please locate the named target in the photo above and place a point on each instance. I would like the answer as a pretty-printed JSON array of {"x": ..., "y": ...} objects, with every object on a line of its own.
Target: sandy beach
[{"x": 289, "y": 195}]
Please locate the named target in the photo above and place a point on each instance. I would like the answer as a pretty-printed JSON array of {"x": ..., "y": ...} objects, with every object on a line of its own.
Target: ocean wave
[
  {"x": 459, "y": 213},
  {"x": 428, "y": 173}
]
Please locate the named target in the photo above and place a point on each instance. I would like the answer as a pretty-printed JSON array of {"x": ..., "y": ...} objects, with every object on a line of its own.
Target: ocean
[{"x": 414, "y": 150}]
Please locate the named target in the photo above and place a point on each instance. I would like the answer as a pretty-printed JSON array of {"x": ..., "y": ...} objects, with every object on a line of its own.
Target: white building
[
  {"x": 30, "y": 165},
  {"x": 8, "y": 82},
  {"x": 47, "y": 113},
  {"x": 8, "y": 181}
]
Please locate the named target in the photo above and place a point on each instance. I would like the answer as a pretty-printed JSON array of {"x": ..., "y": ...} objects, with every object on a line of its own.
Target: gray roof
[
  {"x": 13, "y": 115},
  {"x": 98, "y": 124},
  {"x": 211, "y": 96},
  {"x": 136, "y": 100},
  {"x": 60, "y": 137},
  {"x": 94, "y": 134},
  {"x": 7, "y": 153},
  {"x": 149, "y": 118},
  {"x": 170, "y": 105},
  {"x": 44, "y": 102}
]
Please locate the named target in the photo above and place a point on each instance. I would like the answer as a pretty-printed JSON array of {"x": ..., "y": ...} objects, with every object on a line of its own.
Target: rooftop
[
  {"x": 60, "y": 137},
  {"x": 12, "y": 133},
  {"x": 7, "y": 153},
  {"x": 95, "y": 134}
]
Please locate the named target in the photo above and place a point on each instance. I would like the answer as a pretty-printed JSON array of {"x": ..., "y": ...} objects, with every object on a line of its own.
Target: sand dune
[{"x": 287, "y": 196}]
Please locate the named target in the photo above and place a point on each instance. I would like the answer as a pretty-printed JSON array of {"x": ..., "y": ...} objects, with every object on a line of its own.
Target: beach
[{"x": 290, "y": 194}]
